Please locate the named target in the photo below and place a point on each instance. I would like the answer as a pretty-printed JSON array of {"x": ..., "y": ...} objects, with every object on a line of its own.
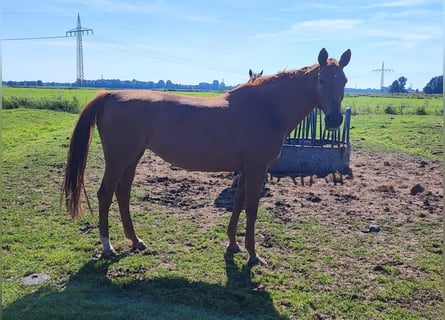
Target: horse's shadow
[
  {"x": 225, "y": 198},
  {"x": 90, "y": 293}
]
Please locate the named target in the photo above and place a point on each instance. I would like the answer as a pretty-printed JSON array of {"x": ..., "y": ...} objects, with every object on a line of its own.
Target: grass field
[
  {"x": 171, "y": 281},
  {"x": 362, "y": 104},
  {"x": 83, "y": 95},
  {"x": 420, "y": 136},
  {"x": 397, "y": 104},
  {"x": 57, "y": 99}
]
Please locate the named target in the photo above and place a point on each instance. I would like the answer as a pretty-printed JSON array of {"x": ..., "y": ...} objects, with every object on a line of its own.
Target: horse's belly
[{"x": 199, "y": 158}]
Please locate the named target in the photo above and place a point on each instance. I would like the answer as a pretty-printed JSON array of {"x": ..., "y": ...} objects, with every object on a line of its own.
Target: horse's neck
[{"x": 296, "y": 98}]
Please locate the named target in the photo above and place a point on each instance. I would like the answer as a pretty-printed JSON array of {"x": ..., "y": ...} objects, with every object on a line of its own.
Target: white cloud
[
  {"x": 315, "y": 26},
  {"x": 419, "y": 33},
  {"x": 399, "y": 3},
  {"x": 308, "y": 5},
  {"x": 328, "y": 25},
  {"x": 138, "y": 6},
  {"x": 154, "y": 7}
]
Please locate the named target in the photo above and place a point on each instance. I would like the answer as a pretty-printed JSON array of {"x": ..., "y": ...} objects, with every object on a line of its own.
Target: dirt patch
[
  {"x": 382, "y": 186},
  {"x": 391, "y": 208}
]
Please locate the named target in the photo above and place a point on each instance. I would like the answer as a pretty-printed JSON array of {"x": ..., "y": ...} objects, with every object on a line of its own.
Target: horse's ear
[
  {"x": 323, "y": 57},
  {"x": 261, "y": 73},
  {"x": 345, "y": 58},
  {"x": 250, "y": 73}
]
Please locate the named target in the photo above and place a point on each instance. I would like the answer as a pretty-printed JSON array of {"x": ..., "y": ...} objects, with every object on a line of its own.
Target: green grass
[
  {"x": 185, "y": 274},
  {"x": 398, "y": 104},
  {"x": 419, "y": 136},
  {"x": 58, "y": 99},
  {"x": 83, "y": 95},
  {"x": 361, "y": 104}
]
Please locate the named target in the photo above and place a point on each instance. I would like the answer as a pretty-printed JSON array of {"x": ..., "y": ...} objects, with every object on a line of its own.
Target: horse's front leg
[
  {"x": 123, "y": 192},
  {"x": 238, "y": 206},
  {"x": 254, "y": 185}
]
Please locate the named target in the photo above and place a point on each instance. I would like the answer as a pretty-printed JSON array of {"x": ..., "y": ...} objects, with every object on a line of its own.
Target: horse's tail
[{"x": 77, "y": 156}]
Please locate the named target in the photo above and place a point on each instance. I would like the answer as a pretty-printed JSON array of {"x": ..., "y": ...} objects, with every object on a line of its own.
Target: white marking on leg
[{"x": 108, "y": 248}]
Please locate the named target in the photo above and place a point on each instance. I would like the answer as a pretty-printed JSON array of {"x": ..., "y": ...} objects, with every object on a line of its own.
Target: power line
[{"x": 33, "y": 38}]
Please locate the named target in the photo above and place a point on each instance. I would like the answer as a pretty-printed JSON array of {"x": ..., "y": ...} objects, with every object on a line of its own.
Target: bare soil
[
  {"x": 388, "y": 189},
  {"x": 397, "y": 199}
]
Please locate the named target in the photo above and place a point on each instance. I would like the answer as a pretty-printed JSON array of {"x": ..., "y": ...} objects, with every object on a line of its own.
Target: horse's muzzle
[{"x": 333, "y": 121}]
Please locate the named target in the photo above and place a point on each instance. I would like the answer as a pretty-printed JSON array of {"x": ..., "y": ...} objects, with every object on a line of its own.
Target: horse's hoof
[
  {"x": 109, "y": 254},
  {"x": 140, "y": 246},
  {"x": 234, "y": 248},
  {"x": 257, "y": 261}
]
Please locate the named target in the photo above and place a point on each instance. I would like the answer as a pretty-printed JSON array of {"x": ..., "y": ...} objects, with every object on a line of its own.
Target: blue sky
[{"x": 192, "y": 41}]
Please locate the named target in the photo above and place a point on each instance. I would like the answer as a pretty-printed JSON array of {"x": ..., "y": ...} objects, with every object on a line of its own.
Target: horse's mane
[
  {"x": 284, "y": 73},
  {"x": 291, "y": 74}
]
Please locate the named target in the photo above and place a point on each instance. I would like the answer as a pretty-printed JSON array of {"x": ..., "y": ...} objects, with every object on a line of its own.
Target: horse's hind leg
[
  {"x": 123, "y": 197},
  {"x": 238, "y": 206},
  {"x": 105, "y": 196}
]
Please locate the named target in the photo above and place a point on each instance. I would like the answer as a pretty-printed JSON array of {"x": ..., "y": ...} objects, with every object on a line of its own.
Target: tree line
[
  {"x": 215, "y": 85},
  {"x": 434, "y": 86}
]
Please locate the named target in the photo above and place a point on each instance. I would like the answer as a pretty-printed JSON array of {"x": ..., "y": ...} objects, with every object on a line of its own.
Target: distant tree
[
  {"x": 434, "y": 86},
  {"x": 161, "y": 84},
  {"x": 116, "y": 83},
  {"x": 215, "y": 85},
  {"x": 394, "y": 87},
  {"x": 398, "y": 86},
  {"x": 204, "y": 86},
  {"x": 402, "y": 83},
  {"x": 169, "y": 85}
]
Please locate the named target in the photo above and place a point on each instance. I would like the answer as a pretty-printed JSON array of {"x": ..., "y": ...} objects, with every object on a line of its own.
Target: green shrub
[
  {"x": 421, "y": 111},
  {"x": 56, "y": 103},
  {"x": 389, "y": 109}
]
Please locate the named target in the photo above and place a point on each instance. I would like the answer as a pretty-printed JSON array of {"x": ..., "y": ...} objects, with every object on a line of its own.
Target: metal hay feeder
[{"x": 310, "y": 149}]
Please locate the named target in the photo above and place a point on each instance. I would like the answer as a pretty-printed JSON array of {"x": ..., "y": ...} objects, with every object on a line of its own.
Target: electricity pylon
[
  {"x": 382, "y": 78},
  {"x": 79, "y": 32}
]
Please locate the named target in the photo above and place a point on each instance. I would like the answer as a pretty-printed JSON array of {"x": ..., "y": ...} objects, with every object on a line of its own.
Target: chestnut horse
[
  {"x": 241, "y": 130},
  {"x": 254, "y": 75}
]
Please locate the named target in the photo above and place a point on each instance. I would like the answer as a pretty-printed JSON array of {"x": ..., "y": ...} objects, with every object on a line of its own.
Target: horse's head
[
  {"x": 331, "y": 87},
  {"x": 254, "y": 75}
]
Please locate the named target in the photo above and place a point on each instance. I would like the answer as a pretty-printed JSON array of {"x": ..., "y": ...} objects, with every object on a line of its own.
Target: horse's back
[{"x": 193, "y": 133}]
